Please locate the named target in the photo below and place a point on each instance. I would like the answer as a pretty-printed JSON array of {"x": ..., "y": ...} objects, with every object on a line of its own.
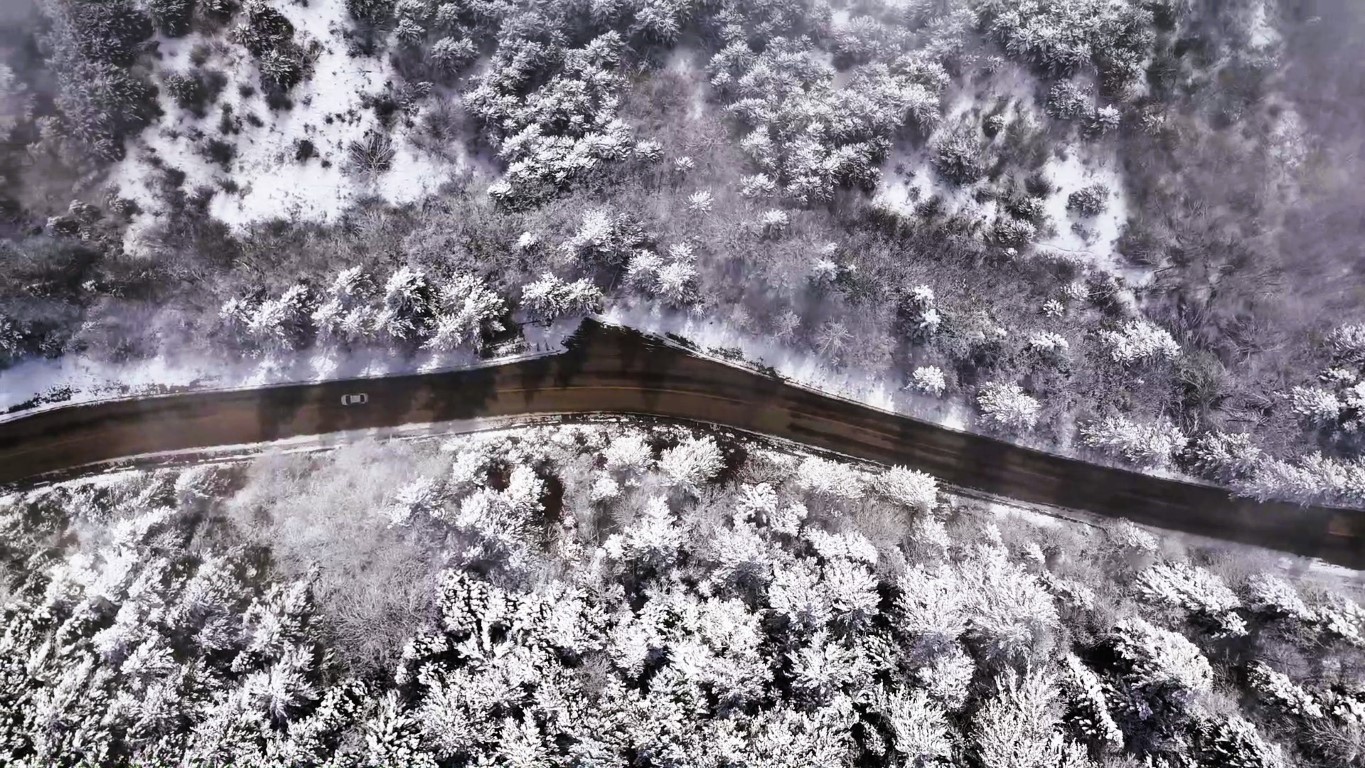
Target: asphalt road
[{"x": 610, "y": 370}]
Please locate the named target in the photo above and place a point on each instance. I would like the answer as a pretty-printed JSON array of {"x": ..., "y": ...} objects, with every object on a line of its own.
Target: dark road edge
[{"x": 609, "y": 370}]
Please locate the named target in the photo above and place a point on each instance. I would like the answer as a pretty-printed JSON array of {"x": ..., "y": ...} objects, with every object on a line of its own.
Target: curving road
[{"x": 611, "y": 370}]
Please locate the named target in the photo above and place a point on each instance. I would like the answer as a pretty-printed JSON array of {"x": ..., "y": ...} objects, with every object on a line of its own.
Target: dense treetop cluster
[{"x": 632, "y": 595}]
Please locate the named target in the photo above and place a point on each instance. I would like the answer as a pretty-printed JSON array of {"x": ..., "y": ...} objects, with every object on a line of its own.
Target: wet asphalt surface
[{"x": 612, "y": 370}]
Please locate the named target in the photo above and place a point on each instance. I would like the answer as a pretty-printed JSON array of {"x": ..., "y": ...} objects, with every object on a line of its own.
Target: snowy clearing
[{"x": 329, "y": 110}]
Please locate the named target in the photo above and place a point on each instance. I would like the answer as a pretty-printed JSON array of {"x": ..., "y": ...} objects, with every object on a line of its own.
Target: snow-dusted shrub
[
  {"x": 1104, "y": 121},
  {"x": 1315, "y": 405},
  {"x": 1347, "y": 343},
  {"x": 1013, "y": 233},
  {"x": 773, "y": 222},
  {"x": 929, "y": 379},
  {"x": 1139, "y": 342},
  {"x": 1048, "y": 345},
  {"x": 1194, "y": 590},
  {"x": 920, "y": 311},
  {"x": 909, "y": 487},
  {"x": 1341, "y": 617},
  {"x": 700, "y": 201},
  {"x": 1091, "y": 200},
  {"x": 1006, "y": 406},
  {"x": 958, "y": 156},
  {"x": 1147, "y": 445},
  {"x": 1067, "y": 100}
]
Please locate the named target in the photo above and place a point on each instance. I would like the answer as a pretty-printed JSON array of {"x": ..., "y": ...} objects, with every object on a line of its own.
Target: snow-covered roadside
[
  {"x": 76, "y": 380},
  {"x": 714, "y": 339}
]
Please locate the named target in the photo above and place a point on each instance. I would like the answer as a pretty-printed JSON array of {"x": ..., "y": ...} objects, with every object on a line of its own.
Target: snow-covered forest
[
  {"x": 1124, "y": 229},
  {"x": 628, "y": 594}
]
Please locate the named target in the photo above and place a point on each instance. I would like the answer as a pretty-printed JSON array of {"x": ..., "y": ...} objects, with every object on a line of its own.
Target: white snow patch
[
  {"x": 908, "y": 179},
  {"x": 1258, "y": 28},
  {"x": 1069, "y": 171},
  {"x": 327, "y": 110}
]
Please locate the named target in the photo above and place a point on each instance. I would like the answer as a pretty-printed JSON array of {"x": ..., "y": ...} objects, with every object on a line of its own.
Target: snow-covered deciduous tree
[
  {"x": 929, "y": 379},
  {"x": 1315, "y": 405},
  {"x": 948, "y": 677},
  {"x": 931, "y": 604},
  {"x": 1233, "y": 742},
  {"x": 1225, "y": 456},
  {"x": 551, "y": 297},
  {"x": 1139, "y": 342},
  {"x": 654, "y": 540},
  {"x": 852, "y": 591},
  {"x": 1018, "y": 726},
  {"x": 1087, "y": 711},
  {"x": 1160, "y": 660},
  {"x": 909, "y": 487},
  {"x": 467, "y": 310},
  {"x": 1006, "y": 406},
  {"x": 828, "y": 479},
  {"x": 408, "y": 305},
  {"x": 1149, "y": 445},
  {"x": 692, "y": 463},
  {"x": 628, "y": 452},
  {"x": 1279, "y": 691},
  {"x": 918, "y": 726},
  {"x": 1196, "y": 591},
  {"x": 1007, "y": 609},
  {"x": 1271, "y": 595}
]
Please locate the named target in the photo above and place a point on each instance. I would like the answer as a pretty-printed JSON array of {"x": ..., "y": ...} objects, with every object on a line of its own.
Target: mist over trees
[
  {"x": 633, "y": 594},
  {"x": 1121, "y": 229}
]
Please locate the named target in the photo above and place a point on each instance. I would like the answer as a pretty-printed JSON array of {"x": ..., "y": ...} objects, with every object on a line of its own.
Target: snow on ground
[
  {"x": 908, "y": 180},
  {"x": 1093, "y": 238},
  {"x": 868, "y": 387},
  {"x": 328, "y": 110},
  {"x": 691, "y": 64},
  {"x": 92, "y": 380}
]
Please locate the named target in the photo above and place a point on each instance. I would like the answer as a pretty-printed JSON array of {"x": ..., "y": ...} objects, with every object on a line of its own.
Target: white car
[{"x": 359, "y": 398}]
